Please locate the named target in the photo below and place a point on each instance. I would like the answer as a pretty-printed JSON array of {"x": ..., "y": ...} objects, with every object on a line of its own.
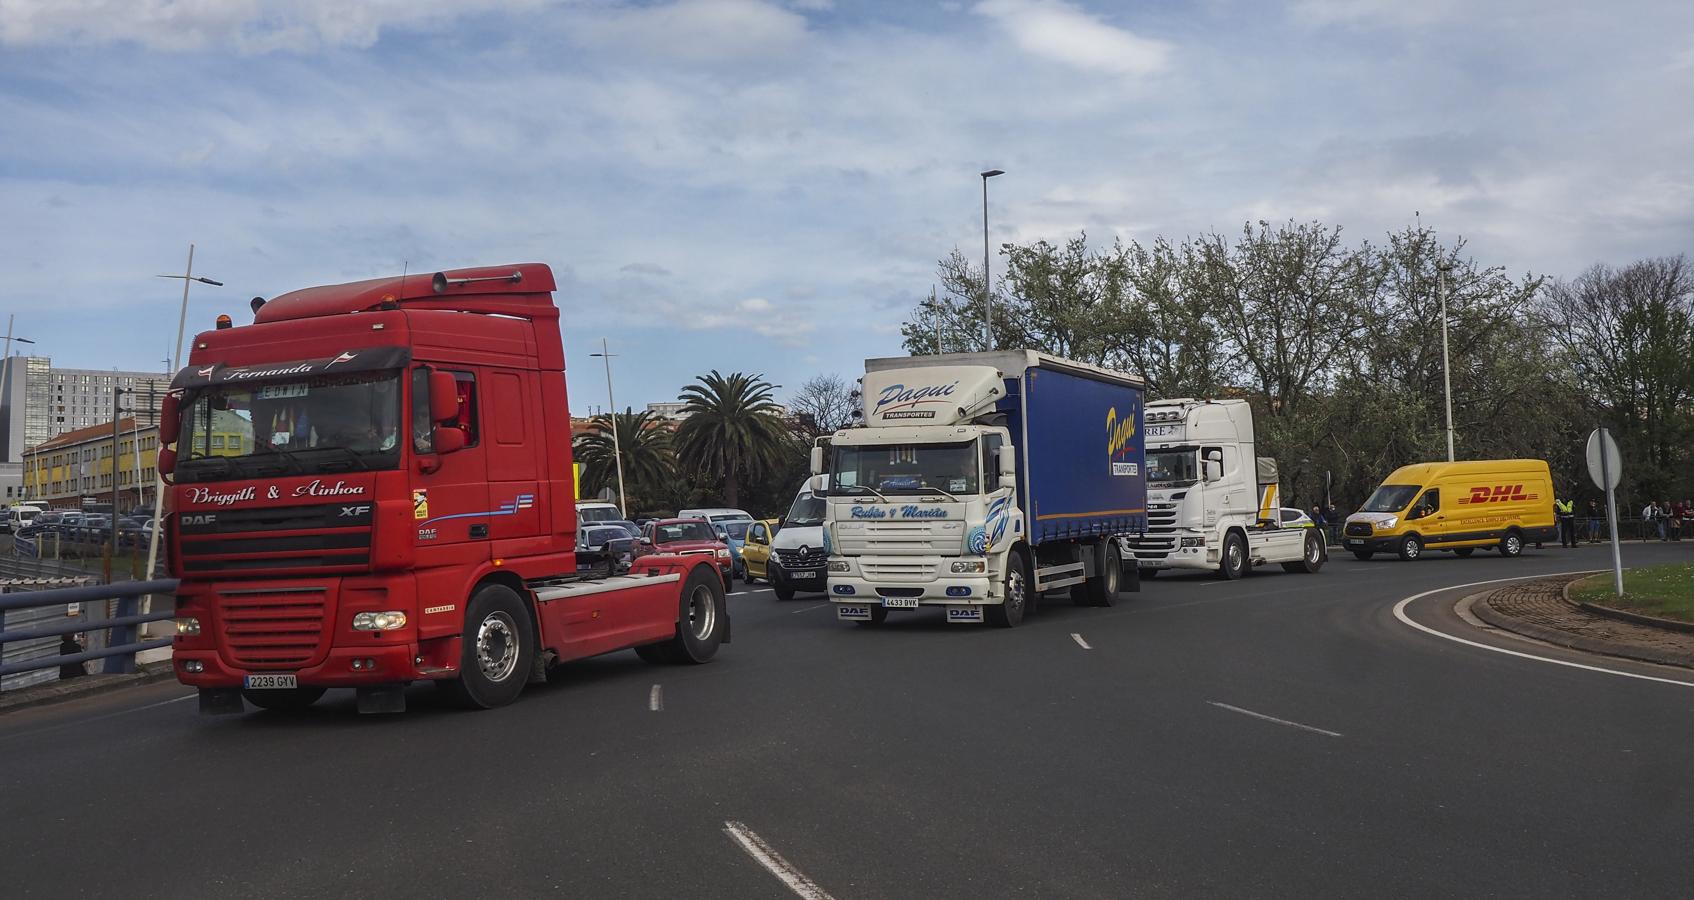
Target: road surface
[{"x": 1284, "y": 735}]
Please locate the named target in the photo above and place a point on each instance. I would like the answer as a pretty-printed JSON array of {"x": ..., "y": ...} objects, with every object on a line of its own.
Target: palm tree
[
  {"x": 732, "y": 426},
  {"x": 647, "y": 457}
]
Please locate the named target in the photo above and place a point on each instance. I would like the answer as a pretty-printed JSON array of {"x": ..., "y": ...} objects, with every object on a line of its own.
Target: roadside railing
[{"x": 120, "y": 622}]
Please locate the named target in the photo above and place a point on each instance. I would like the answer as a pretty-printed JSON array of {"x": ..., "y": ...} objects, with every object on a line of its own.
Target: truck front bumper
[
  {"x": 952, "y": 590},
  {"x": 386, "y": 664}
]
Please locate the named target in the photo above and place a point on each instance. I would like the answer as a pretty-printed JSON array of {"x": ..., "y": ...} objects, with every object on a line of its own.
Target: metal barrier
[{"x": 122, "y": 643}]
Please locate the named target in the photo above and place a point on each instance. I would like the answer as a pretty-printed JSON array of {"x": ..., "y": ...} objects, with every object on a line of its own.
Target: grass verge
[{"x": 1663, "y": 591}]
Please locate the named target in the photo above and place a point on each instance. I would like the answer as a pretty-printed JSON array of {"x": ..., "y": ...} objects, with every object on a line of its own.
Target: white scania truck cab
[{"x": 1212, "y": 504}]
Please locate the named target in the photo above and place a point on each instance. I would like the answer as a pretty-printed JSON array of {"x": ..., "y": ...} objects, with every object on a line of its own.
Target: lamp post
[
  {"x": 117, "y": 417},
  {"x": 1446, "y": 371},
  {"x": 617, "y": 449},
  {"x": 987, "y": 284},
  {"x": 188, "y": 277}
]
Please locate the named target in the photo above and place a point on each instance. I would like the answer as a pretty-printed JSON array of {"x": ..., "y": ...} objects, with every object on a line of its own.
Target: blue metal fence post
[{"x": 120, "y": 635}]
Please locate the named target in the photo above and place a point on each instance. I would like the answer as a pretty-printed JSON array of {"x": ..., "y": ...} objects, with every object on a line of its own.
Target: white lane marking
[
  {"x": 111, "y": 715},
  {"x": 773, "y": 862},
  {"x": 1080, "y": 642},
  {"x": 656, "y": 698},
  {"x": 809, "y": 609},
  {"x": 1400, "y": 613},
  {"x": 1248, "y": 712}
]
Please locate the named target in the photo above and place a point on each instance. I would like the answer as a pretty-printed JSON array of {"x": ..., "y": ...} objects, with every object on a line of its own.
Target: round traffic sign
[{"x": 1610, "y": 467}]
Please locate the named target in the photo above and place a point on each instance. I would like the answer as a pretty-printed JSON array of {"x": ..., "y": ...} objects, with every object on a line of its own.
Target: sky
[{"x": 766, "y": 186}]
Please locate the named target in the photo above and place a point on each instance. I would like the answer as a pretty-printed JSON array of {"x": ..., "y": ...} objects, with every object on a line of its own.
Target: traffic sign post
[{"x": 1605, "y": 466}]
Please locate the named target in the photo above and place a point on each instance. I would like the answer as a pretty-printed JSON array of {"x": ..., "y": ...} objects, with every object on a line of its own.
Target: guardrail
[{"x": 122, "y": 643}]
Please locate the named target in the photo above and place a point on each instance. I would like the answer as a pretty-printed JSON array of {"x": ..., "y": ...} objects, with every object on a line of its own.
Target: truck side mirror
[
  {"x": 170, "y": 413},
  {"x": 817, "y": 460},
  {"x": 166, "y": 463},
  {"x": 1008, "y": 463},
  {"x": 1214, "y": 469},
  {"x": 818, "y": 485},
  {"x": 443, "y": 400},
  {"x": 447, "y": 439}
]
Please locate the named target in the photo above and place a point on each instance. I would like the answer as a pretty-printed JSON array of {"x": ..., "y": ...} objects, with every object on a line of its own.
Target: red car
[{"x": 688, "y": 537}]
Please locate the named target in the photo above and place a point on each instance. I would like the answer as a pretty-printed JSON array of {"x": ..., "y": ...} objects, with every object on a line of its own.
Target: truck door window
[{"x": 990, "y": 461}]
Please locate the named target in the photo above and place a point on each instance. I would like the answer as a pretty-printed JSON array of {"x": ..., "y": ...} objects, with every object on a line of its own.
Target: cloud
[
  {"x": 692, "y": 31},
  {"x": 1399, "y": 13},
  {"x": 646, "y": 269},
  {"x": 1060, "y": 32}
]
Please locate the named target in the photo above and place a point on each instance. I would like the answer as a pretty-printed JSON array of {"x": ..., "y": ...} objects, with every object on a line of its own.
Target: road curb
[
  {"x": 1483, "y": 610},
  {"x": 77, "y": 688},
  {"x": 1624, "y": 615}
]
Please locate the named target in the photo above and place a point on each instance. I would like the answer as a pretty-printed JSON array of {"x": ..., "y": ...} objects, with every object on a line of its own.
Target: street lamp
[
  {"x": 987, "y": 285},
  {"x": 1446, "y": 370},
  {"x": 188, "y": 277},
  {"x": 617, "y": 449}
]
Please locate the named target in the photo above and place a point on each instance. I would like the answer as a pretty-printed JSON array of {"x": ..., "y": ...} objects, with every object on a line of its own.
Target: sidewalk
[
  {"x": 59, "y": 691},
  {"x": 1538, "y": 609}
]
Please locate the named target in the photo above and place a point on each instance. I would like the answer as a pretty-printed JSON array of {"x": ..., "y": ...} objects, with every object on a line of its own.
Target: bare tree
[{"x": 823, "y": 404}]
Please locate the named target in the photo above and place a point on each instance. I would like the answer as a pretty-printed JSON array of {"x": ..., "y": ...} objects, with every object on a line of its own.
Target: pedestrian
[
  {"x": 1566, "y": 511},
  {"x": 1318, "y": 520},
  {"x": 1652, "y": 518},
  {"x": 1332, "y": 516},
  {"x": 1596, "y": 517},
  {"x": 1672, "y": 529},
  {"x": 69, "y": 645}
]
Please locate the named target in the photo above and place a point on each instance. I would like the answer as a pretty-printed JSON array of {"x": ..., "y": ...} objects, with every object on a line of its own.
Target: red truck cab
[{"x": 371, "y": 485}]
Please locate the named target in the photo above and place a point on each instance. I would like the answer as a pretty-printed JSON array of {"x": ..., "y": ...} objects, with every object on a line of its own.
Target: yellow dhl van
[{"x": 1457, "y": 506}]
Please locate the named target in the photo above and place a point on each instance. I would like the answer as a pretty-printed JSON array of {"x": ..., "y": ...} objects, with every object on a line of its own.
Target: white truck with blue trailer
[{"x": 978, "y": 481}]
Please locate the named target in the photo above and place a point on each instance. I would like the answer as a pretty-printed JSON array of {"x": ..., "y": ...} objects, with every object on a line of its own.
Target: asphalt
[{"x": 1284, "y": 735}]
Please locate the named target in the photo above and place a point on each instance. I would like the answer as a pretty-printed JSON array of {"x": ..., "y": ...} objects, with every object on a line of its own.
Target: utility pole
[
  {"x": 188, "y": 277},
  {"x": 112, "y": 550},
  {"x": 987, "y": 283},
  {"x": 1446, "y": 369},
  {"x": 617, "y": 449}
]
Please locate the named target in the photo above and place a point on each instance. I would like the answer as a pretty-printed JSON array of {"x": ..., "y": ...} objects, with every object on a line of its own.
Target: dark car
[
  {"x": 633, "y": 529},
  {"x": 604, "y": 549},
  {"x": 689, "y": 537}
]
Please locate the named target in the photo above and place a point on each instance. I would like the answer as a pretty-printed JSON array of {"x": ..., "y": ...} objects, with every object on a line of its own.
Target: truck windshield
[
  {"x": 314, "y": 426},
  {"x": 807, "y": 511},
  {"x": 907, "y": 468},
  {"x": 1172, "y": 466},
  {"x": 1390, "y": 498}
]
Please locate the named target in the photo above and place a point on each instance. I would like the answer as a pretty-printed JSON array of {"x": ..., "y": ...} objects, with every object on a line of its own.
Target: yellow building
[{"x": 78, "y": 464}]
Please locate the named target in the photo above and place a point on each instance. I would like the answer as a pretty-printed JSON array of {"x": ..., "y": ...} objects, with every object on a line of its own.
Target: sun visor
[{"x": 371, "y": 359}]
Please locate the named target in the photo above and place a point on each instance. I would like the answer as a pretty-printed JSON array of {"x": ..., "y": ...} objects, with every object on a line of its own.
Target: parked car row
[{"x": 89, "y": 528}]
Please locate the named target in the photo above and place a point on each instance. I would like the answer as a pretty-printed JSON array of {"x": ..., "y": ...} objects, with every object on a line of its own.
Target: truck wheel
[
  {"x": 1233, "y": 565},
  {"x": 284, "y": 701},
  {"x": 1009, "y": 612},
  {"x": 1363, "y": 554},
  {"x": 702, "y": 619},
  {"x": 1108, "y": 588},
  {"x": 1311, "y": 559},
  {"x": 1511, "y": 545},
  {"x": 496, "y": 650},
  {"x": 1411, "y": 547},
  {"x": 1464, "y": 552}
]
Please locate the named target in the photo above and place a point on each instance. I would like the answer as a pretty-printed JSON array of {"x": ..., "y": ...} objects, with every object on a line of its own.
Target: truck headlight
[
  {"x": 188, "y": 625},
  {"x": 839, "y": 565},
  {"x": 1194, "y": 541},
  {"x": 969, "y": 567},
  {"x": 391, "y": 620}
]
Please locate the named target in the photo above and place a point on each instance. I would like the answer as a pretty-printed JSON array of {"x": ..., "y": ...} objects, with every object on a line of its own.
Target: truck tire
[
  {"x": 496, "y": 651},
  {"x": 284, "y": 701},
  {"x": 701, "y": 620},
  {"x": 1311, "y": 558},
  {"x": 1232, "y": 563},
  {"x": 1363, "y": 554},
  {"x": 1107, "y": 589},
  {"x": 1511, "y": 545},
  {"x": 1411, "y": 547},
  {"x": 1009, "y": 612}
]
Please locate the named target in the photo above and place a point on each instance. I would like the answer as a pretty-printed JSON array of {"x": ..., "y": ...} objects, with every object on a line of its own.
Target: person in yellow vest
[{"x": 1566, "y": 511}]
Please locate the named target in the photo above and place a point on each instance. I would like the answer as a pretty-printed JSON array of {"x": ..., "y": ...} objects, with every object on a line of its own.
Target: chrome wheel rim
[
  {"x": 702, "y": 613},
  {"x": 1513, "y": 545},
  {"x": 497, "y": 646},
  {"x": 1413, "y": 549},
  {"x": 1014, "y": 591},
  {"x": 1314, "y": 551},
  {"x": 1235, "y": 556}
]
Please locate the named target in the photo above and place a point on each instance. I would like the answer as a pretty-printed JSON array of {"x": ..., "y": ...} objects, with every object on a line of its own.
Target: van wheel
[
  {"x": 1363, "y": 554},
  {"x": 1464, "y": 552},
  {"x": 496, "y": 650},
  {"x": 1311, "y": 559},
  {"x": 1511, "y": 545},
  {"x": 1234, "y": 562},
  {"x": 1411, "y": 547},
  {"x": 1009, "y": 612}
]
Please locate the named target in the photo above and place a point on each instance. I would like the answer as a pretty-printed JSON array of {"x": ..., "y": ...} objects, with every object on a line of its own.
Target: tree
[
  {"x": 823, "y": 404},
  {"x": 732, "y": 427},
  {"x": 645, "y": 441}
]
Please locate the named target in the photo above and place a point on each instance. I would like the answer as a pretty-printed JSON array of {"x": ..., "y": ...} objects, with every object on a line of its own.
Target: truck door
[
  {"x": 511, "y": 449},
  {"x": 450, "y": 505}
]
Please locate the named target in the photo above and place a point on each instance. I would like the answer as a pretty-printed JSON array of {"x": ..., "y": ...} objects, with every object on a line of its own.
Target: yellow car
[{"x": 756, "y": 551}]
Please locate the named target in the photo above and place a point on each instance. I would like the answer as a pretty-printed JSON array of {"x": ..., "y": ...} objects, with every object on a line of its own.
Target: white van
[
  {"x": 799, "y": 561},
  {"x": 591, "y": 511},
  {"x": 20, "y": 515}
]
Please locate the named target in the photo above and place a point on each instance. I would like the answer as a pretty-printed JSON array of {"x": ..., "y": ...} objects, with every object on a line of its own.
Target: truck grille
[
  {"x": 1160, "y": 539},
  {"x": 813, "y": 558},
  {"x": 281, "y": 629},
  {"x": 1358, "y": 529},
  {"x": 904, "y": 539},
  {"x": 287, "y": 539},
  {"x": 901, "y": 570}
]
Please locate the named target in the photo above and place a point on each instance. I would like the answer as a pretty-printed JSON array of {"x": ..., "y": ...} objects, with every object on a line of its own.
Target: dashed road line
[
  {"x": 766, "y": 856},
  {"x": 1080, "y": 642},
  {"x": 1259, "y": 715},
  {"x": 1400, "y": 613},
  {"x": 656, "y": 699},
  {"x": 808, "y": 609}
]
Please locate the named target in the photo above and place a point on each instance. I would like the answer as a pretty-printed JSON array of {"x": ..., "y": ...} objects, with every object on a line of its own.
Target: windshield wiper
[
  {"x": 229, "y": 467},
  {"x": 287, "y": 456},
  {"x": 869, "y": 490},
  {"x": 940, "y": 491},
  {"x": 359, "y": 458}
]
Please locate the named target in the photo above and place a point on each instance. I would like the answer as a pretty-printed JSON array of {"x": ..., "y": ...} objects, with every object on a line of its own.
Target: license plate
[
  {"x": 1355, "y": 540},
  {"x": 802, "y": 576},
  {"x": 853, "y": 612},
  {"x": 964, "y": 613},
  {"x": 900, "y": 602},
  {"x": 269, "y": 682}
]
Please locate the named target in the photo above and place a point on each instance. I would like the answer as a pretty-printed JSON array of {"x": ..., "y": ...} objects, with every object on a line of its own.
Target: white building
[{"x": 39, "y": 402}]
